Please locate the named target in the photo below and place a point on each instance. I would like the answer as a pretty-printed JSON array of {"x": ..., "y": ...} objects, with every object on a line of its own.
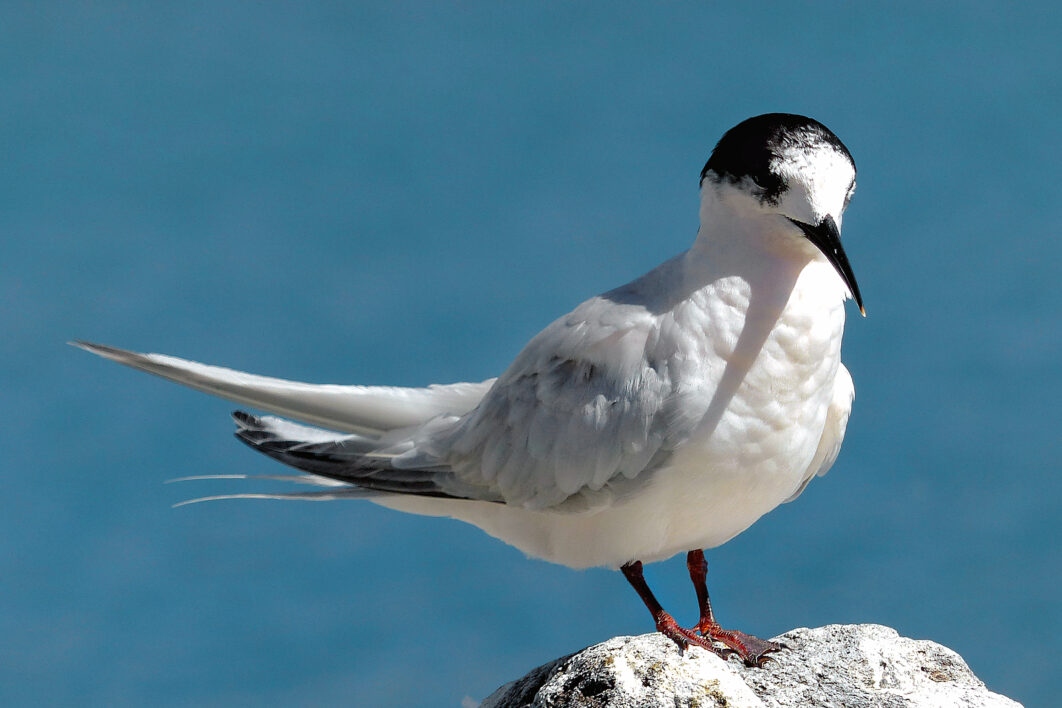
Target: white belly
[
  {"x": 685, "y": 506},
  {"x": 761, "y": 418}
]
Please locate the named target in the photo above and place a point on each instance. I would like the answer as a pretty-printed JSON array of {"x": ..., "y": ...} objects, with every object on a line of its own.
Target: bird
[{"x": 664, "y": 416}]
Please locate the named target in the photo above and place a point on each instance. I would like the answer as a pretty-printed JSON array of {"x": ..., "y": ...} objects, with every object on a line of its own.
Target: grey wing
[
  {"x": 833, "y": 432},
  {"x": 577, "y": 411}
]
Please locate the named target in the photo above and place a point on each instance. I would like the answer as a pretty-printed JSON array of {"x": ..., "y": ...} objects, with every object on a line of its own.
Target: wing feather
[{"x": 575, "y": 412}]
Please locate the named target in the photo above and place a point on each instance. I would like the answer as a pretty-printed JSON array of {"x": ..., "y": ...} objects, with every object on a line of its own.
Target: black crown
[{"x": 747, "y": 149}]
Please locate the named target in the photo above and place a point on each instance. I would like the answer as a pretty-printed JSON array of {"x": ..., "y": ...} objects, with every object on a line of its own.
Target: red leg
[
  {"x": 665, "y": 623},
  {"x": 752, "y": 650}
]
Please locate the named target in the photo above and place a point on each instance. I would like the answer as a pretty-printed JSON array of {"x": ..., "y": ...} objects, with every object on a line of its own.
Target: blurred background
[{"x": 404, "y": 193}]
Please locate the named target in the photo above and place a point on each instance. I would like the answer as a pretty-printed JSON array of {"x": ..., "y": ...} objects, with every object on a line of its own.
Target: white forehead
[{"x": 819, "y": 178}]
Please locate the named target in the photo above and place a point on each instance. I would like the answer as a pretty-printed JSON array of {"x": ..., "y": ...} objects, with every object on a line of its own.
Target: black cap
[{"x": 747, "y": 149}]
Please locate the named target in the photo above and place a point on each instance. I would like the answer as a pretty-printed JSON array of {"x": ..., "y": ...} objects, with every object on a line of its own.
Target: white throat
[{"x": 738, "y": 237}]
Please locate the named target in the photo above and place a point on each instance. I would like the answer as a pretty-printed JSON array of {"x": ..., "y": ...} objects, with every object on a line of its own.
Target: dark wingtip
[
  {"x": 244, "y": 418},
  {"x": 248, "y": 430}
]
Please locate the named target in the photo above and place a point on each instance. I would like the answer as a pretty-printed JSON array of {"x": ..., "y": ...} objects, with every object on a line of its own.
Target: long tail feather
[
  {"x": 367, "y": 410},
  {"x": 348, "y": 493},
  {"x": 296, "y": 478}
]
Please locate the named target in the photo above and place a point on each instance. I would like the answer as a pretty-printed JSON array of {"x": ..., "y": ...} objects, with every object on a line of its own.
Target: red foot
[
  {"x": 752, "y": 650},
  {"x": 666, "y": 625}
]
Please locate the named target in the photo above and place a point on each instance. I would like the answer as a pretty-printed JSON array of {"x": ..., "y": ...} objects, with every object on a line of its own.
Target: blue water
[{"x": 403, "y": 194}]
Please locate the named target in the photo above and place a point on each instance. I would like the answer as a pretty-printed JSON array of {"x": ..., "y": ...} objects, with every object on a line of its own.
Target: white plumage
[{"x": 666, "y": 415}]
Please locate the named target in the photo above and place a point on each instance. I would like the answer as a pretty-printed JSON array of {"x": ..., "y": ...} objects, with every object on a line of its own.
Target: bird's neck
[
  {"x": 740, "y": 245},
  {"x": 733, "y": 225},
  {"x": 737, "y": 238}
]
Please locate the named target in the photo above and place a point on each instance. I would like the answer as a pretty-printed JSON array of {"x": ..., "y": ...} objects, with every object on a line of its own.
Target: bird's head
[{"x": 793, "y": 169}]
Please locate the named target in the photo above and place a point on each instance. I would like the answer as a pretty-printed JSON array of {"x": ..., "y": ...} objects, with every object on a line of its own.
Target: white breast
[
  {"x": 764, "y": 422},
  {"x": 755, "y": 364}
]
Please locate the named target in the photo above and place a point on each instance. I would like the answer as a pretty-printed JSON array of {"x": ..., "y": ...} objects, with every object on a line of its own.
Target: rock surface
[{"x": 847, "y": 666}]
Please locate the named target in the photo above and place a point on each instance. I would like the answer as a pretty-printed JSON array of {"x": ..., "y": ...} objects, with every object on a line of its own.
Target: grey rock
[{"x": 842, "y": 666}]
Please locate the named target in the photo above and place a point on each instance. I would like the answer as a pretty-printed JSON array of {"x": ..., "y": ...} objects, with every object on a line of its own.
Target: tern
[{"x": 664, "y": 416}]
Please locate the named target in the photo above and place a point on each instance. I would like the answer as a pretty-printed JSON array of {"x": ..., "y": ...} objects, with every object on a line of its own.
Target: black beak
[{"x": 827, "y": 238}]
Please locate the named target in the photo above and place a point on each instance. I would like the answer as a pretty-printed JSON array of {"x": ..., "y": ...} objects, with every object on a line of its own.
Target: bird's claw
[
  {"x": 755, "y": 652},
  {"x": 683, "y": 637}
]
